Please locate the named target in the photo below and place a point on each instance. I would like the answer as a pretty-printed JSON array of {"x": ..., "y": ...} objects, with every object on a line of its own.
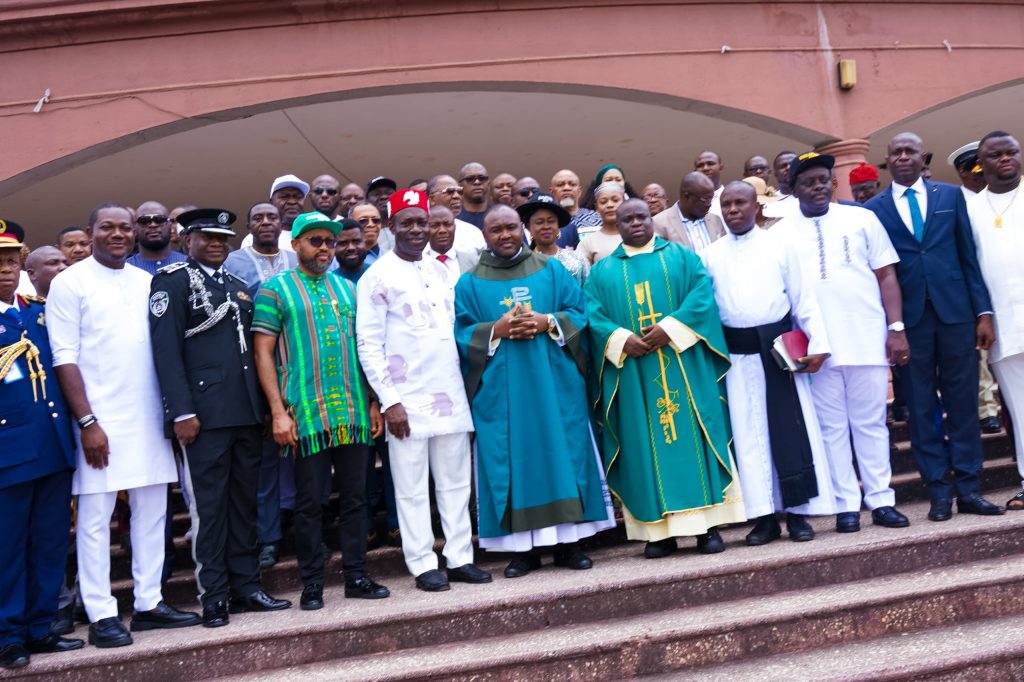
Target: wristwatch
[
  {"x": 897, "y": 326},
  {"x": 552, "y": 324}
]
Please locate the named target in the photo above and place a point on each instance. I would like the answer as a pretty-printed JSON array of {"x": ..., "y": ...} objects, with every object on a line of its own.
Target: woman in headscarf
[{"x": 609, "y": 173}]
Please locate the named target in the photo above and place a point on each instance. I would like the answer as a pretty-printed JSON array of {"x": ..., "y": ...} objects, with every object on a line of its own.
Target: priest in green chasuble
[
  {"x": 660, "y": 358},
  {"x": 520, "y": 324}
]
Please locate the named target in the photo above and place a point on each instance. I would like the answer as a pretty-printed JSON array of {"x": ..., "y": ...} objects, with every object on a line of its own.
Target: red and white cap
[{"x": 407, "y": 198}]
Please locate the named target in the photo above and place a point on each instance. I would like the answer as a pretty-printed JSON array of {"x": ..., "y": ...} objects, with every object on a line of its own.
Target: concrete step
[
  {"x": 997, "y": 474},
  {"x": 977, "y": 651},
  {"x": 995, "y": 446},
  {"x": 839, "y": 588},
  {"x": 690, "y": 638}
]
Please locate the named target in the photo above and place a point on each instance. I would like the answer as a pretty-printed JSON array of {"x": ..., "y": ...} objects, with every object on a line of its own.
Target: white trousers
[
  {"x": 447, "y": 459},
  {"x": 851, "y": 401},
  {"x": 1010, "y": 377},
  {"x": 149, "y": 512}
]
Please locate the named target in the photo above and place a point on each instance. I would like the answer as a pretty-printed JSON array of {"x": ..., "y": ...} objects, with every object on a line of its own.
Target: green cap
[{"x": 314, "y": 221}]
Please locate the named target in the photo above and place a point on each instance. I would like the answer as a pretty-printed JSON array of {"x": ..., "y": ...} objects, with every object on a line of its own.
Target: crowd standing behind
[{"x": 557, "y": 352}]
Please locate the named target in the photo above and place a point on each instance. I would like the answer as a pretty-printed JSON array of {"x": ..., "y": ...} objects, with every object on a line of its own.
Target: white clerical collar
[
  {"x": 741, "y": 237},
  {"x": 637, "y": 250},
  {"x": 518, "y": 253},
  {"x": 899, "y": 190}
]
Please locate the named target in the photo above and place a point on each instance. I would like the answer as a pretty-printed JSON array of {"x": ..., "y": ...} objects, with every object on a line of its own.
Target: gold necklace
[{"x": 999, "y": 216}]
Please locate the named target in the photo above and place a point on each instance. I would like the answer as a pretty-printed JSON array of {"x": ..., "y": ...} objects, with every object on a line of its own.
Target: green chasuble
[
  {"x": 666, "y": 433},
  {"x": 318, "y": 369},
  {"x": 536, "y": 465}
]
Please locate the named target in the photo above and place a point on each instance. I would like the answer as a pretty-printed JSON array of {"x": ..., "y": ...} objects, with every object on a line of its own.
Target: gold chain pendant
[{"x": 999, "y": 221}]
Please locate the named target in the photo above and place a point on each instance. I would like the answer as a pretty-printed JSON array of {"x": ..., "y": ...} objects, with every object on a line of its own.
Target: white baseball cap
[{"x": 290, "y": 181}]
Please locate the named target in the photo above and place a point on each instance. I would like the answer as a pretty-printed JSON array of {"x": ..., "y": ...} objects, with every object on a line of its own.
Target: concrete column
[{"x": 848, "y": 154}]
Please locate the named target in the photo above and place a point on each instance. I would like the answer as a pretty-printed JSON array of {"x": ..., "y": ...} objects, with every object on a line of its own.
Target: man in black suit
[
  {"x": 200, "y": 316},
  {"x": 948, "y": 316}
]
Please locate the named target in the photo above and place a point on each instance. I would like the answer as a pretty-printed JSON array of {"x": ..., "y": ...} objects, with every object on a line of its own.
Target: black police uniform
[{"x": 205, "y": 371}]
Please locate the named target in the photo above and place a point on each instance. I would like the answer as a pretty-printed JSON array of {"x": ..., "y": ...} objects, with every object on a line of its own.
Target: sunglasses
[
  {"x": 527, "y": 191},
  {"x": 369, "y": 221},
  {"x": 329, "y": 191},
  {"x": 474, "y": 179},
  {"x": 146, "y": 220},
  {"x": 317, "y": 242},
  {"x": 451, "y": 191}
]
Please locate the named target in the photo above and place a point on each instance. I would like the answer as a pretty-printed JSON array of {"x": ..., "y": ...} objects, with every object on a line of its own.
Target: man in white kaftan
[
  {"x": 405, "y": 319},
  {"x": 759, "y": 286}
]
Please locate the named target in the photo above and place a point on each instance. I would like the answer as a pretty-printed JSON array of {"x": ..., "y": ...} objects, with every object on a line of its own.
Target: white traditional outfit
[
  {"x": 98, "y": 319},
  {"x": 997, "y": 221},
  {"x": 839, "y": 252},
  {"x": 405, "y": 318},
  {"x": 468, "y": 238},
  {"x": 758, "y": 285}
]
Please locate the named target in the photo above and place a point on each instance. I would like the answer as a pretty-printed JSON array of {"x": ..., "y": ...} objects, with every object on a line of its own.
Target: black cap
[
  {"x": 539, "y": 200},
  {"x": 810, "y": 160},
  {"x": 11, "y": 227},
  {"x": 212, "y": 220},
  {"x": 381, "y": 181}
]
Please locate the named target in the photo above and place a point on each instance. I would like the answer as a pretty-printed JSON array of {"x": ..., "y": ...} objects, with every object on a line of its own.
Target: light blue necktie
[{"x": 916, "y": 219}]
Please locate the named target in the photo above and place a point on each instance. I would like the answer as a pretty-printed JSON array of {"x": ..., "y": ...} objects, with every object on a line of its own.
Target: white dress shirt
[{"x": 903, "y": 208}]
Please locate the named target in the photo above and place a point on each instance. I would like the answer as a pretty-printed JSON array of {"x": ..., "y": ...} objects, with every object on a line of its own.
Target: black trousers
[
  {"x": 222, "y": 469},
  {"x": 311, "y": 473}
]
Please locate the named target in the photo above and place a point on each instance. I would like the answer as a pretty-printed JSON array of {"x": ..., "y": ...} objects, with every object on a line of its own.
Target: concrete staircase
[{"x": 933, "y": 601}]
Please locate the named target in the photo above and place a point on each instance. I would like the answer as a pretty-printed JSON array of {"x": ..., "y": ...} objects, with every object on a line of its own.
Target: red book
[{"x": 788, "y": 348}]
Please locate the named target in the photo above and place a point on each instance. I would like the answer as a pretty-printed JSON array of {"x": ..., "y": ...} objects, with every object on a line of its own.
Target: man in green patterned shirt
[{"x": 323, "y": 411}]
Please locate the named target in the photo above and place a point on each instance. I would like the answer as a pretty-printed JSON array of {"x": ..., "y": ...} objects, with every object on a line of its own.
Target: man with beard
[
  {"x": 198, "y": 311},
  {"x": 565, "y": 187},
  {"x": 256, "y": 264},
  {"x": 287, "y": 194},
  {"x": 476, "y": 190},
  {"x": 75, "y": 243},
  {"x": 324, "y": 195},
  {"x": 351, "y": 194},
  {"x": 153, "y": 237},
  {"x": 689, "y": 221},
  {"x": 322, "y": 411},
  {"x": 350, "y": 251},
  {"x": 442, "y": 190}
]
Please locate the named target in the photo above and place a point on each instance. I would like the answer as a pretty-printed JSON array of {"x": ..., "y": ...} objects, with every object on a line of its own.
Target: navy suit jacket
[
  {"x": 943, "y": 266},
  {"x": 35, "y": 435}
]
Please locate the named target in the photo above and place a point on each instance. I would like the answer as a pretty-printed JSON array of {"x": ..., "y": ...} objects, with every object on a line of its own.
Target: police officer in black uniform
[{"x": 200, "y": 317}]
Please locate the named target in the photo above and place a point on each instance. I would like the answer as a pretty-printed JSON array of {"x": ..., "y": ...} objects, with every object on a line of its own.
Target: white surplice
[
  {"x": 757, "y": 280},
  {"x": 98, "y": 319}
]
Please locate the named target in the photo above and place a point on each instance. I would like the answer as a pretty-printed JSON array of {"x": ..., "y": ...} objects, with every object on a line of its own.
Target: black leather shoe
[
  {"x": 432, "y": 581},
  {"x": 990, "y": 425},
  {"x": 365, "y": 588},
  {"x": 976, "y": 504},
  {"x": 215, "y": 614},
  {"x": 63, "y": 621},
  {"x": 53, "y": 644},
  {"x": 257, "y": 601},
  {"x": 660, "y": 548},
  {"x": 848, "y": 522},
  {"x": 163, "y": 617},
  {"x": 268, "y": 556},
  {"x": 312, "y": 597},
  {"x": 522, "y": 564},
  {"x": 710, "y": 542},
  {"x": 888, "y": 517},
  {"x": 940, "y": 510},
  {"x": 570, "y": 556},
  {"x": 765, "y": 530},
  {"x": 107, "y": 633},
  {"x": 798, "y": 528},
  {"x": 469, "y": 573},
  {"x": 13, "y": 656}
]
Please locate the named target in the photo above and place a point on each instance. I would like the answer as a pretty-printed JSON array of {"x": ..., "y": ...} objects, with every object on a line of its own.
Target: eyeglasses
[
  {"x": 329, "y": 191},
  {"x": 156, "y": 219},
  {"x": 369, "y": 221},
  {"x": 317, "y": 242},
  {"x": 450, "y": 191},
  {"x": 527, "y": 191},
  {"x": 474, "y": 179}
]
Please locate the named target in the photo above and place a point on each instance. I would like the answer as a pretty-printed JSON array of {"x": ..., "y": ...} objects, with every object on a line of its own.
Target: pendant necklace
[{"x": 999, "y": 216}]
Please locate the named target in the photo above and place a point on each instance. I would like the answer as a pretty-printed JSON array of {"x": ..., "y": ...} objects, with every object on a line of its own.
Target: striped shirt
[{"x": 318, "y": 369}]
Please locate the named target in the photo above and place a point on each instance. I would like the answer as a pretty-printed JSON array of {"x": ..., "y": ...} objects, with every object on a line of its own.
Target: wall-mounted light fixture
[{"x": 847, "y": 73}]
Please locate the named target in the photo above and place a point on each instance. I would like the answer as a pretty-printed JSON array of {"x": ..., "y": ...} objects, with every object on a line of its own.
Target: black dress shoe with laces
[
  {"x": 990, "y": 425},
  {"x": 312, "y": 597},
  {"x": 522, "y": 564},
  {"x": 13, "y": 656},
  {"x": 976, "y": 504},
  {"x": 765, "y": 530},
  {"x": 571, "y": 556},
  {"x": 107, "y": 633},
  {"x": 660, "y": 549},
  {"x": 163, "y": 617},
  {"x": 468, "y": 573},
  {"x": 215, "y": 614},
  {"x": 710, "y": 542},
  {"x": 365, "y": 588},
  {"x": 798, "y": 528},
  {"x": 257, "y": 601},
  {"x": 940, "y": 510},
  {"x": 888, "y": 517},
  {"x": 432, "y": 581},
  {"x": 53, "y": 644},
  {"x": 847, "y": 522},
  {"x": 63, "y": 621}
]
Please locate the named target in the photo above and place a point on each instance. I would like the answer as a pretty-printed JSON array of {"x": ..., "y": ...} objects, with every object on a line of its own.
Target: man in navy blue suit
[
  {"x": 948, "y": 316},
  {"x": 37, "y": 458}
]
